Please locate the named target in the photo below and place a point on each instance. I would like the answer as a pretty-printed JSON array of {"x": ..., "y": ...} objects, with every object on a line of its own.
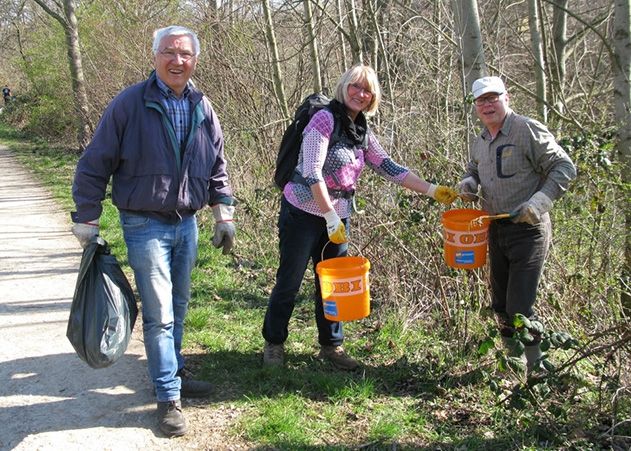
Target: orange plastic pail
[
  {"x": 465, "y": 242},
  {"x": 345, "y": 288}
]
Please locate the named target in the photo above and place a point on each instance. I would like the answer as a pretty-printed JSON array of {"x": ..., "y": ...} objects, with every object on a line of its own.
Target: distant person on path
[
  {"x": 317, "y": 203},
  {"x": 6, "y": 94},
  {"x": 518, "y": 168},
  {"x": 162, "y": 143}
]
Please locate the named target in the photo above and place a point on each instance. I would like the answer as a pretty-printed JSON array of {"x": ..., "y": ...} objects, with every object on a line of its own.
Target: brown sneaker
[
  {"x": 338, "y": 357},
  {"x": 273, "y": 355},
  {"x": 170, "y": 418}
]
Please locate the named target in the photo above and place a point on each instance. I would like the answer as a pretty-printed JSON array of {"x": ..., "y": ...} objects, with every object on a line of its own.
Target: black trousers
[
  {"x": 517, "y": 252},
  {"x": 302, "y": 237}
]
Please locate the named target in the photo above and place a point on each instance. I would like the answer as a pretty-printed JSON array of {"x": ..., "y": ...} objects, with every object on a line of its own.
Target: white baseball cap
[{"x": 487, "y": 84}]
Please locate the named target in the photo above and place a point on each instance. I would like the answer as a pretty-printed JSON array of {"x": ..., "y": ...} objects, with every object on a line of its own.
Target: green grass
[{"x": 423, "y": 385}]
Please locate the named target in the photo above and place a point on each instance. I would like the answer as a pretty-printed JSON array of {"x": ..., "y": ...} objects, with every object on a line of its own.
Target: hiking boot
[
  {"x": 170, "y": 418},
  {"x": 273, "y": 355},
  {"x": 338, "y": 357},
  {"x": 192, "y": 388}
]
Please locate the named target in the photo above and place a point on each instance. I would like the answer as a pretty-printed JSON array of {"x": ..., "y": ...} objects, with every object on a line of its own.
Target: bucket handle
[{"x": 327, "y": 243}]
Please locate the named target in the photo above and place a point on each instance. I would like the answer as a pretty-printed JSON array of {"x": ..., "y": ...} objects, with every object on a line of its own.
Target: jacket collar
[
  {"x": 152, "y": 92},
  {"x": 506, "y": 125}
]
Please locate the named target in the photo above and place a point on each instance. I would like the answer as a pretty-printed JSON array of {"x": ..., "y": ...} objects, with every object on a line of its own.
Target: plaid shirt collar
[{"x": 178, "y": 109}]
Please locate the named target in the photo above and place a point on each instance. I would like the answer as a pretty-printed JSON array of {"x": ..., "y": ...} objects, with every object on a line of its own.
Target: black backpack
[{"x": 289, "y": 149}]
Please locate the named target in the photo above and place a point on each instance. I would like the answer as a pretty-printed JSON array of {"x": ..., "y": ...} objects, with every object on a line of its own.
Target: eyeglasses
[
  {"x": 359, "y": 88},
  {"x": 489, "y": 99},
  {"x": 172, "y": 55}
]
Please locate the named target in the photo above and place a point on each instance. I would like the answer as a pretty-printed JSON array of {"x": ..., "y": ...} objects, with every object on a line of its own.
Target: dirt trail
[{"x": 49, "y": 398}]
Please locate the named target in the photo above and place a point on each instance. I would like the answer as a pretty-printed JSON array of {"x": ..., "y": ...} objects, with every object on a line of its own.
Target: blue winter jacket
[{"x": 135, "y": 143}]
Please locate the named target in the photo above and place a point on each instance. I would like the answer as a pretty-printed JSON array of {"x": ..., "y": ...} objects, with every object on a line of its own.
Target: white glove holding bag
[{"x": 85, "y": 231}]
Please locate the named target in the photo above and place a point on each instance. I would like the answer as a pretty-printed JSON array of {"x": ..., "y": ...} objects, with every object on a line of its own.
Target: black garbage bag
[{"x": 103, "y": 310}]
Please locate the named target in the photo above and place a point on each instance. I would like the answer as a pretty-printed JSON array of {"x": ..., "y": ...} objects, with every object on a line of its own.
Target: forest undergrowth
[{"x": 434, "y": 374}]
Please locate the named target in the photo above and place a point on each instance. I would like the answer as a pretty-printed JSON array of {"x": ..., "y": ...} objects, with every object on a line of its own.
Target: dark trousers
[
  {"x": 517, "y": 253},
  {"x": 302, "y": 236}
]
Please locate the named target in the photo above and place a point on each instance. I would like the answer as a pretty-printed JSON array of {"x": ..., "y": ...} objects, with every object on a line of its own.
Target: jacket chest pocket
[{"x": 508, "y": 161}]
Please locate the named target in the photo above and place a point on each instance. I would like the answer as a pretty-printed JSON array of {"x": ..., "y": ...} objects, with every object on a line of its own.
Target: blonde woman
[{"x": 317, "y": 203}]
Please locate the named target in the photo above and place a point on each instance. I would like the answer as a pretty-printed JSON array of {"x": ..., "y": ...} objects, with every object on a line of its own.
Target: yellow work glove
[
  {"x": 442, "y": 194},
  {"x": 335, "y": 227}
]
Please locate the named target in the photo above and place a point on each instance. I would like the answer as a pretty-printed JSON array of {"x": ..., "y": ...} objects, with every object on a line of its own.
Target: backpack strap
[{"x": 336, "y": 136}]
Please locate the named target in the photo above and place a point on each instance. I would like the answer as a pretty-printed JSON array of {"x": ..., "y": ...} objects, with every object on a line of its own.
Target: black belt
[{"x": 340, "y": 194}]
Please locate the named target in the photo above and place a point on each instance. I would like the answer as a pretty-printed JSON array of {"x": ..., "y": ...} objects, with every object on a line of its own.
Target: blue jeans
[
  {"x": 162, "y": 257},
  {"x": 517, "y": 253},
  {"x": 301, "y": 237}
]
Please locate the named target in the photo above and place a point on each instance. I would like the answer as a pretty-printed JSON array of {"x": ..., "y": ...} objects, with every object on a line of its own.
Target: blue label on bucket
[
  {"x": 465, "y": 257},
  {"x": 330, "y": 308}
]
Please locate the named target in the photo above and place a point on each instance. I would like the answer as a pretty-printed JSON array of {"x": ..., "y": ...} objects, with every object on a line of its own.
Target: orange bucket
[
  {"x": 344, "y": 287},
  {"x": 465, "y": 242}
]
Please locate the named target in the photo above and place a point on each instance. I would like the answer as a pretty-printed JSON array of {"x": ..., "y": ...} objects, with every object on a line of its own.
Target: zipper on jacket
[{"x": 171, "y": 132}]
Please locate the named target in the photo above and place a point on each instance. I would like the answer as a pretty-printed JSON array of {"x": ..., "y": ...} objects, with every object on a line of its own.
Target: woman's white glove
[
  {"x": 85, "y": 231},
  {"x": 335, "y": 227},
  {"x": 225, "y": 230},
  {"x": 532, "y": 210},
  {"x": 468, "y": 189}
]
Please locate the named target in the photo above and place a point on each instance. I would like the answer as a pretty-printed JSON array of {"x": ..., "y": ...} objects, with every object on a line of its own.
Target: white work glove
[
  {"x": 224, "y": 227},
  {"x": 335, "y": 227},
  {"x": 85, "y": 231},
  {"x": 442, "y": 194},
  {"x": 468, "y": 189},
  {"x": 532, "y": 210}
]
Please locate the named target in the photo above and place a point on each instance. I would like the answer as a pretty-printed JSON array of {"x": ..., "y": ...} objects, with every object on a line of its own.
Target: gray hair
[{"x": 174, "y": 30}]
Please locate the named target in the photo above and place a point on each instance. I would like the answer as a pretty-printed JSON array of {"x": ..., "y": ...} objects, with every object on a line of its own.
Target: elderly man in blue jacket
[{"x": 162, "y": 144}]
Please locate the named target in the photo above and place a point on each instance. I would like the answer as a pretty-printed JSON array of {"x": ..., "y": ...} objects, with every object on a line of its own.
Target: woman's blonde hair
[{"x": 360, "y": 73}]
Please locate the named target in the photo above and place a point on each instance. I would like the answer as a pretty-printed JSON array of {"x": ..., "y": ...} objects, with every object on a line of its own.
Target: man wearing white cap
[{"x": 516, "y": 167}]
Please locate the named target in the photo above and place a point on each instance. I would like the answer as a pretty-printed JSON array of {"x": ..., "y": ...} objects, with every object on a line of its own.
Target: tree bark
[
  {"x": 622, "y": 101},
  {"x": 277, "y": 75},
  {"x": 355, "y": 41},
  {"x": 537, "y": 51},
  {"x": 76, "y": 72},
  {"x": 559, "y": 38},
  {"x": 340, "y": 33},
  {"x": 469, "y": 40},
  {"x": 69, "y": 24},
  {"x": 313, "y": 46}
]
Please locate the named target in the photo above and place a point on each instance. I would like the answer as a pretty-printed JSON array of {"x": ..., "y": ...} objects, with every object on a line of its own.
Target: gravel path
[{"x": 49, "y": 398}]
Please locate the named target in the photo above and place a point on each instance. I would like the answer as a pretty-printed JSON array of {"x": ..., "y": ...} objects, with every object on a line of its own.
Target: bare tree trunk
[
  {"x": 313, "y": 45},
  {"x": 76, "y": 71},
  {"x": 537, "y": 51},
  {"x": 379, "y": 47},
  {"x": 355, "y": 41},
  {"x": 277, "y": 75},
  {"x": 622, "y": 98},
  {"x": 470, "y": 41},
  {"x": 559, "y": 38},
  {"x": 372, "y": 40},
  {"x": 71, "y": 30},
  {"x": 340, "y": 15}
]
